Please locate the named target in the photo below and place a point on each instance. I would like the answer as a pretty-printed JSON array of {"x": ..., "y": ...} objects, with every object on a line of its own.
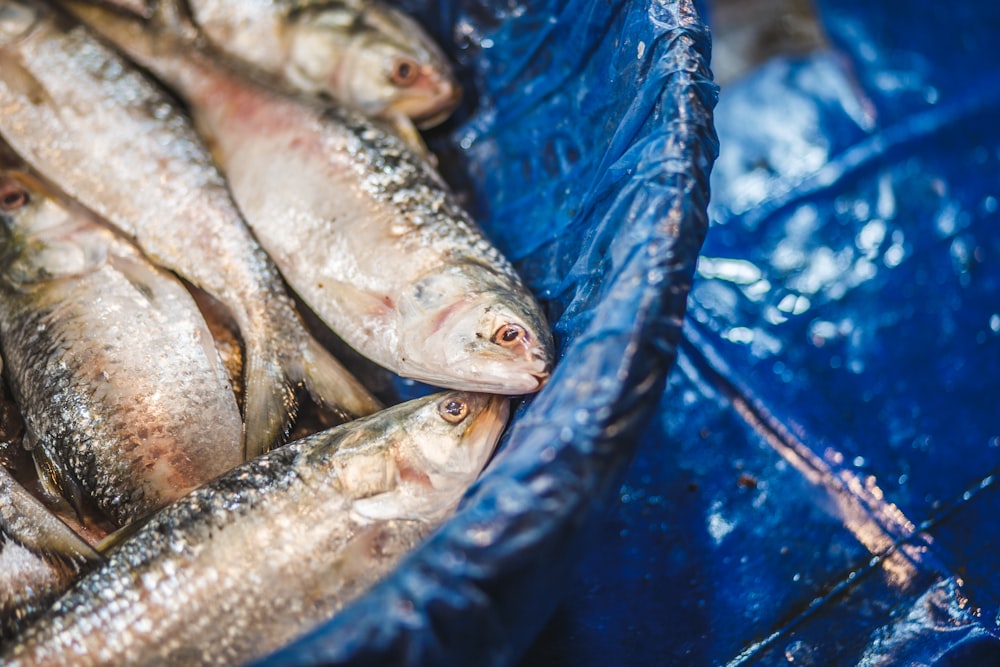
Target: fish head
[
  {"x": 28, "y": 205},
  {"x": 469, "y": 327},
  {"x": 24, "y": 207},
  {"x": 374, "y": 58},
  {"x": 437, "y": 447},
  {"x": 39, "y": 231},
  {"x": 454, "y": 436}
]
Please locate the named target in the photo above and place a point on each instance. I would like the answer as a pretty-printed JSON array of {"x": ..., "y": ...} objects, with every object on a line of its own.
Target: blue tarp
[{"x": 816, "y": 484}]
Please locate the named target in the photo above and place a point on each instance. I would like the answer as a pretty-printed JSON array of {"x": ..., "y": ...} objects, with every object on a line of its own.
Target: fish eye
[
  {"x": 13, "y": 196},
  {"x": 509, "y": 335},
  {"x": 404, "y": 72},
  {"x": 453, "y": 410}
]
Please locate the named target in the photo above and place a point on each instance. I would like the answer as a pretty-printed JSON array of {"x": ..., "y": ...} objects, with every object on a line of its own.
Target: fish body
[
  {"x": 362, "y": 229},
  {"x": 39, "y": 557},
  {"x": 86, "y": 118},
  {"x": 269, "y": 550},
  {"x": 124, "y": 398}
]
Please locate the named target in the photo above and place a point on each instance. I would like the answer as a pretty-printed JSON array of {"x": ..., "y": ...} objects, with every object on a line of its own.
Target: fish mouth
[
  {"x": 489, "y": 423},
  {"x": 541, "y": 378},
  {"x": 501, "y": 377},
  {"x": 450, "y": 94}
]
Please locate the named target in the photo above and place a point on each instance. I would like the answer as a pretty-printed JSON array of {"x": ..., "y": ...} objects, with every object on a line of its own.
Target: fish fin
[
  {"x": 26, "y": 521},
  {"x": 380, "y": 542},
  {"x": 361, "y": 301},
  {"x": 140, "y": 274},
  {"x": 57, "y": 482},
  {"x": 269, "y": 405},
  {"x": 332, "y": 385},
  {"x": 379, "y": 507},
  {"x": 19, "y": 78},
  {"x": 120, "y": 536}
]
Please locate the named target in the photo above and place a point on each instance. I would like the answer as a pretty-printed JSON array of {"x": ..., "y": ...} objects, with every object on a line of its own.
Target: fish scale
[{"x": 387, "y": 169}]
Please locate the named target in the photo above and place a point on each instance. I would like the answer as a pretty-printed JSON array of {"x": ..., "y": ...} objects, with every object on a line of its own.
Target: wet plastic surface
[
  {"x": 819, "y": 485},
  {"x": 816, "y": 485}
]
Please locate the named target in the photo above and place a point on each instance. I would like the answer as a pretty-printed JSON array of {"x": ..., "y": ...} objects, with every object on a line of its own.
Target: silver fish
[
  {"x": 271, "y": 549},
  {"x": 86, "y": 118},
  {"x": 362, "y": 53},
  {"x": 366, "y": 233},
  {"x": 124, "y": 398},
  {"x": 39, "y": 557}
]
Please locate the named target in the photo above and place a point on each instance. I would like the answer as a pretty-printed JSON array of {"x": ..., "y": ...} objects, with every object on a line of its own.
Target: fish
[
  {"x": 365, "y": 54},
  {"x": 83, "y": 116},
  {"x": 40, "y": 557},
  {"x": 363, "y": 230},
  {"x": 124, "y": 398},
  {"x": 273, "y": 548}
]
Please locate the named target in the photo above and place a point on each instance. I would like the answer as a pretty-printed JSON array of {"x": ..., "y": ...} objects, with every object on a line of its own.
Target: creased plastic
[{"x": 819, "y": 486}]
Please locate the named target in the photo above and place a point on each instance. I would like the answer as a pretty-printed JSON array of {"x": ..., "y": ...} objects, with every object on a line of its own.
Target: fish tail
[
  {"x": 271, "y": 402},
  {"x": 269, "y": 405},
  {"x": 332, "y": 385}
]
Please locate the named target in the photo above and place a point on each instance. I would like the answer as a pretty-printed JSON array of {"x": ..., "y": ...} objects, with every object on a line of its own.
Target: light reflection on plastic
[
  {"x": 870, "y": 238},
  {"x": 894, "y": 256},
  {"x": 742, "y": 335},
  {"x": 861, "y": 505},
  {"x": 719, "y": 527},
  {"x": 773, "y": 316},
  {"x": 947, "y": 220},
  {"x": 885, "y": 205},
  {"x": 756, "y": 291},
  {"x": 796, "y": 305},
  {"x": 738, "y": 271},
  {"x": 824, "y": 268}
]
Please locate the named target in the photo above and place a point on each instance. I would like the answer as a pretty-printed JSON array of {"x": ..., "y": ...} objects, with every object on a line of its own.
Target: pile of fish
[{"x": 156, "y": 360}]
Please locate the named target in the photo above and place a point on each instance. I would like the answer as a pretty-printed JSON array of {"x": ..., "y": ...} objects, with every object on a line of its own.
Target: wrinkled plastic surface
[
  {"x": 819, "y": 486},
  {"x": 584, "y": 149}
]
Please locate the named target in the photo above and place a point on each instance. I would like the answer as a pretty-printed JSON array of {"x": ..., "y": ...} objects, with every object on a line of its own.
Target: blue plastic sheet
[
  {"x": 584, "y": 149},
  {"x": 819, "y": 485}
]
